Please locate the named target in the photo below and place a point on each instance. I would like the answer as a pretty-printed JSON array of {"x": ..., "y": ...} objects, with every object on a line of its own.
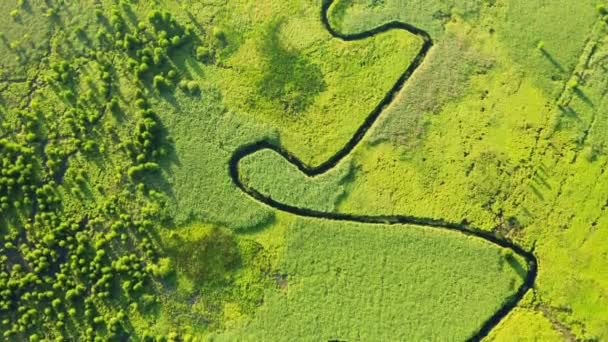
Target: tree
[
  {"x": 159, "y": 82},
  {"x": 14, "y": 14},
  {"x": 203, "y": 54},
  {"x": 193, "y": 87},
  {"x": 540, "y": 45},
  {"x": 163, "y": 268}
]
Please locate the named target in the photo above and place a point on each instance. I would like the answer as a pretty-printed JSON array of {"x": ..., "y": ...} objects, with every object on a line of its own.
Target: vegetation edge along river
[{"x": 462, "y": 227}]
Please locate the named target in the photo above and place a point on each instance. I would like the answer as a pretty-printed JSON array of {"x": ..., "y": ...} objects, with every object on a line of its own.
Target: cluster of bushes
[
  {"x": 150, "y": 48},
  {"x": 56, "y": 267},
  {"x": 146, "y": 145},
  {"x": 65, "y": 270},
  {"x": 189, "y": 86},
  {"x": 54, "y": 259},
  {"x": 17, "y": 177},
  {"x": 61, "y": 72},
  {"x": 72, "y": 133},
  {"x": 66, "y": 273},
  {"x": 603, "y": 11}
]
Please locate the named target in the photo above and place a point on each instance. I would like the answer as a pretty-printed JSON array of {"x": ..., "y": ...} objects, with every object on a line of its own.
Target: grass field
[
  {"x": 528, "y": 159},
  {"x": 527, "y": 325},
  {"x": 336, "y": 287},
  {"x": 292, "y": 75},
  {"x": 119, "y": 218}
]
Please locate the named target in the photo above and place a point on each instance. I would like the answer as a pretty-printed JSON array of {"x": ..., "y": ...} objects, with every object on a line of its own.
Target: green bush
[
  {"x": 203, "y": 54},
  {"x": 193, "y": 87},
  {"x": 160, "y": 82},
  {"x": 14, "y": 14},
  {"x": 163, "y": 268}
]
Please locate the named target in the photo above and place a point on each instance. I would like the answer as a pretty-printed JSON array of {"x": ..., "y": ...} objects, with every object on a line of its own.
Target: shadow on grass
[
  {"x": 568, "y": 112},
  {"x": 158, "y": 181},
  {"x": 537, "y": 192},
  {"x": 542, "y": 180},
  {"x": 289, "y": 79},
  {"x": 266, "y": 220},
  {"x": 584, "y": 97},
  {"x": 521, "y": 271},
  {"x": 195, "y": 22},
  {"x": 552, "y": 60}
]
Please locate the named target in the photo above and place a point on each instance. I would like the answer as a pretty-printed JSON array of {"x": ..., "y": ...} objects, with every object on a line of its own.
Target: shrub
[
  {"x": 130, "y": 41},
  {"x": 51, "y": 12},
  {"x": 540, "y": 45},
  {"x": 193, "y": 87},
  {"x": 143, "y": 68},
  {"x": 220, "y": 37},
  {"x": 159, "y": 82},
  {"x": 163, "y": 268},
  {"x": 134, "y": 171},
  {"x": 155, "y": 17},
  {"x": 14, "y": 45},
  {"x": 183, "y": 85},
  {"x": 203, "y": 54},
  {"x": 89, "y": 146},
  {"x": 101, "y": 34}
]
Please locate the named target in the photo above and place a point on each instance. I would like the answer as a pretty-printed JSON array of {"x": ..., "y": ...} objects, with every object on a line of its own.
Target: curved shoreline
[{"x": 462, "y": 227}]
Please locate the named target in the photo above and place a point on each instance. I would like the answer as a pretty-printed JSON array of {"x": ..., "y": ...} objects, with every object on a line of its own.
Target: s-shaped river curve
[{"x": 461, "y": 227}]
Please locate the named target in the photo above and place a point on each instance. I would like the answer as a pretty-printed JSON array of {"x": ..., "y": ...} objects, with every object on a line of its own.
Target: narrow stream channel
[{"x": 461, "y": 227}]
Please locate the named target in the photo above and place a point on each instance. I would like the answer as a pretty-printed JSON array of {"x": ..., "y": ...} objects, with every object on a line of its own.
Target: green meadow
[
  {"x": 333, "y": 286},
  {"x": 120, "y": 218}
]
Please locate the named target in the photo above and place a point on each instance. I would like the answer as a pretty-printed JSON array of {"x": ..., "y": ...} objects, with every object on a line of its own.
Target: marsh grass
[{"x": 290, "y": 80}]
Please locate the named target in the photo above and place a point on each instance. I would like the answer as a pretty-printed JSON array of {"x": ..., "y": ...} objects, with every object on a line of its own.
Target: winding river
[{"x": 461, "y": 227}]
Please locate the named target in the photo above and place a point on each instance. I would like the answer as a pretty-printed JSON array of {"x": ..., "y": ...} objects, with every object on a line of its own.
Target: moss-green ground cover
[
  {"x": 336, "y": 287},
  {"x": 527, "y": 325},
  {"x": 519, "y": 150},
  {"x": 287, "y": 71},
  {"x": 117, "y": 124}
]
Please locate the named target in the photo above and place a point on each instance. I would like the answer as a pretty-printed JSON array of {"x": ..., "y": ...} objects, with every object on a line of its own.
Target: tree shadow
[
  {"x": 552, "y": 60},
  {"x": 584, "y": 97},
  {"x": 130, "y": 14},
  {"x": 83, "y": 37},
  {"x": 169, "y": 159},
  {"x": 289, "y": 79},
  {"x": 542, "y": 180},
  {"x": 194, "y": 21},
  {"x": 25, "y": 5},
  {"x": 521, "y": 271},
  {"x": 537, "y": 192},
  {"x": 262, "y": 224}
]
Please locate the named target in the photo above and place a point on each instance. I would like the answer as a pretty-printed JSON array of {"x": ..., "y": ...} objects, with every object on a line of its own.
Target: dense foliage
[
  {"x": 119, "y": 220},
  {"x": 69, "y": 272}
]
